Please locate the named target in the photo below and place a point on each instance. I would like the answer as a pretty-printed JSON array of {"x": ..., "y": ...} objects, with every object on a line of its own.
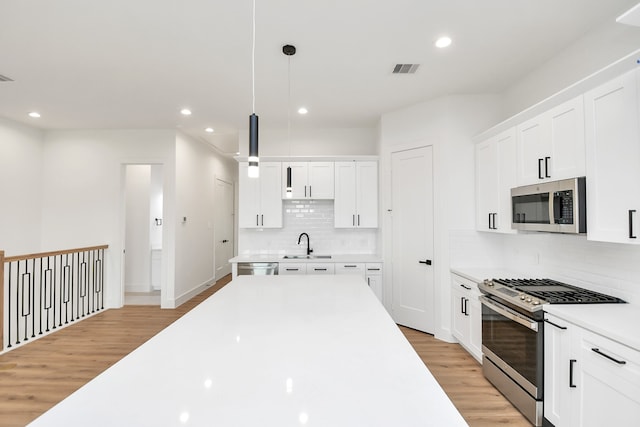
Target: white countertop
[
  {"x": 269, "y": 351},
  {"x": 334, "y": 258},
  {"x": 618, "y": 322}
]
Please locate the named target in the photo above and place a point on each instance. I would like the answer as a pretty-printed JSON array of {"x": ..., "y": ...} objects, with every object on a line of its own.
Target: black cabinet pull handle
[
  {"x": 262, "y": 219},
  {"x": 292, "y": 269},
  {"x": 305, "y": 191},
  {"x": 554, "y": 324},
  {"x": 427, "y": 261},
  {"x": 462, "y": 305},
  {"x": 319, "y": 269},
  {"x": 631, "y": 235},
  {"x": 466, "y": 287},
  {"x": 257, "y": 219},
  {"x": 540, "y": 169},
  {"x": 350, "y": 266},
  {"x": 373, "y": 269},
  {"x": 546, "y": 167},
  {"x": 310, "y": 192},
  {"x": 613, "y": 359},
  {"x": 358, "y": 220},
  {"x": 494, "y": 221},
  {"x": 571, "y": 362},
  {"x": 466, "y": 311},
  {"x": 353, "y": 220},
  {"x": 490, "y": 228}
]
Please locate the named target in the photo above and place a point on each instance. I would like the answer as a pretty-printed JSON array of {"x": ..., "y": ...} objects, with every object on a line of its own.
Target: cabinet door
[
  {"x": 475, "y": 326},
  {"x": 345, "y": 201},
  {"x": 495, "y": 176},
  {"x": 533, "y": 150},
  {"x": 558, "y": 360},
  {"x": 375, "y": 283},
  {"x": 321, "y": 180},
  {"x": 487, "y": 182},
  {"x": 249, "y": 199},
  {"x": 270, "y": 195},
  {"x": 613, "y": 160},
  {"x": 320, "y": 268},
  {"x": 566, "y": 126},
  {"x": 608, "y": 383},
  {"x": 299, "y": 172},
  {"x": 367, "y": 194},
  {"x": 460, "y": 327},
  {"x": 351, "y": 268}
]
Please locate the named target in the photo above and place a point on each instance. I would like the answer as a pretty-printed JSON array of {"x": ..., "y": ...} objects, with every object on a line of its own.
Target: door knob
[
  {"x": 225, "y": 241},
  {"x": 427, "y": 261}
]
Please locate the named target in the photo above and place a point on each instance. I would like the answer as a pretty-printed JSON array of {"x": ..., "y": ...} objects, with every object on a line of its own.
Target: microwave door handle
[{"x": 557, "y": 208}]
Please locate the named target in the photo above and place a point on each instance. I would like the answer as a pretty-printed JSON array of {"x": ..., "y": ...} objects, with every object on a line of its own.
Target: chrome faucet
[{"x": 309, "y": 250}]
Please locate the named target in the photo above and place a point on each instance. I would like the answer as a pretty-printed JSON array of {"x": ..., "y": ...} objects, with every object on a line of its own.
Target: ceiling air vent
[
  {"x": 405, "y": 68},
  {"x": 5, "y": 79}
]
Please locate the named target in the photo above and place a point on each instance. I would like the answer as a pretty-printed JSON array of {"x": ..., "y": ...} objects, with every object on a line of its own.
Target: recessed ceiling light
[
  {"x": 34, "y": 114},
  {"x": 443, "y": 42},
  {"x": 185, "y": 112},
  {"x": 302, "y": 110},
  {"x": 209, "y": 130}
]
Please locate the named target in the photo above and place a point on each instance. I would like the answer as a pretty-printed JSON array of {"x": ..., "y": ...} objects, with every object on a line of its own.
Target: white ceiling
[{"x": 135, "y": 63}]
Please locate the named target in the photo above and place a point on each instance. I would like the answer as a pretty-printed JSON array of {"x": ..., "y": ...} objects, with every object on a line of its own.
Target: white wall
[
  {"x": 197, "y": 166},
  {"x": 596, "y": 50},
  {"x": 312, "y": 142},
  {"x": 20, "y": 188},
  {"x": 448, "y": 124},
  {"x": 83, "y": 192}
]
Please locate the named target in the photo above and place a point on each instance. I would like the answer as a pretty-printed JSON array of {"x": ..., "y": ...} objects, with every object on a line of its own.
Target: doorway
[
  {"x": 142, "y": 254},
  {"x": 224, "y": 227},
  {"x": 412, "y": 235}
]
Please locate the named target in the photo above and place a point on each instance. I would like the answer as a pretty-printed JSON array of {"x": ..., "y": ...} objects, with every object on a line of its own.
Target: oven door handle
[{"x": 510, "y": 314}]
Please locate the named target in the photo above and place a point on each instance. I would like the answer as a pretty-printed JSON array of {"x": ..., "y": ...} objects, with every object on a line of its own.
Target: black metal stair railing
[{"x": 49, "y": 290}]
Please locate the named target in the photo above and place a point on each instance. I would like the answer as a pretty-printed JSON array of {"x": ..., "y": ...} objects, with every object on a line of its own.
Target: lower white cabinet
[
  {"x": 590, "y": 380},
  {"x": 321, "y": 268},
  {"x": 373, "y": 276},
  {"x": 292, "y": 268},
  {"x": 467, "y": 315},
  {"x": 350, "y": 268}
]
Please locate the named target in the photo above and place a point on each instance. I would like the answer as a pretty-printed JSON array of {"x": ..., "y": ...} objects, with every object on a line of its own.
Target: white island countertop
[{"x": 269, "y": 351}]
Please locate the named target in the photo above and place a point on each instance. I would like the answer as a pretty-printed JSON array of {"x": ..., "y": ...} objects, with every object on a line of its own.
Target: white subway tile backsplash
[
  {"x": 314, "y": 217},
  {"x": 604, "y": 267}
]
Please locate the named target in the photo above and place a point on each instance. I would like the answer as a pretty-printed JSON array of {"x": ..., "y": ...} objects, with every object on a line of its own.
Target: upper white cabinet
[
  {"x": 613, "y": 160},
  {"x": 309, "y": 180},
  {"x": 495, "y": 176},
  {"x": 551, "y": 146},
  {"x": 260, "y": 204},
  {"x": 356, "y": 194}
]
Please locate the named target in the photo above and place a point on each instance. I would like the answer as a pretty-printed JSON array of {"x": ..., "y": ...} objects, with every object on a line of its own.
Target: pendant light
[
  {"x": 253, "y": 171},
  {"x": 289, "y": 50}
]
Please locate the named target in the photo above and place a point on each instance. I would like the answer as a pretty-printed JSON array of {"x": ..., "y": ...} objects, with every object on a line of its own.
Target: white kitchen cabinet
[
  {"x": 357, "y": 268},
  {"x": 356, "y": 195},
  {"x": 590, "y": 380},
  {"x": 373, "y": 276},
  {"x": 551, "y": 146},
  {"x": 309, "y": 180},
  {"x": 292, "y": 268},
  {"x": 612, "y": 119},
  {"x": 495, "y": 176},
  {"x": 467, "y": 315},
  {"x": 260, "y": 203},
  {"x": 321, "y": 268},
  {"x": 558, "y": 362}
]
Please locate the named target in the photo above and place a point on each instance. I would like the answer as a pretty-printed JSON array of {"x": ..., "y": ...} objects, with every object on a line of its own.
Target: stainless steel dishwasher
[{"x": 257, "y": 268}]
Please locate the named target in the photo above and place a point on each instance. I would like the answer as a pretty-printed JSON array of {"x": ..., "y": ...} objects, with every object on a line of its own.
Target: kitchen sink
[{"x": 307, "y": 257}]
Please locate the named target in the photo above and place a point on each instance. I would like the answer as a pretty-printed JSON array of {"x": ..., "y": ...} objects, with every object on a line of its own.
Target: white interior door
[
  {"x": 224, "y": 227},
  {"x": 412, "y": 212}
]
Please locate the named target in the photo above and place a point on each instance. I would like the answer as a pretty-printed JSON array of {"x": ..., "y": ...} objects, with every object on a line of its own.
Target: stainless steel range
[{"x": 513, "y": 335}]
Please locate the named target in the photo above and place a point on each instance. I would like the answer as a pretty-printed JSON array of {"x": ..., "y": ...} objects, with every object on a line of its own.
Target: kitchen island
[{"x": 269, "y": 351}]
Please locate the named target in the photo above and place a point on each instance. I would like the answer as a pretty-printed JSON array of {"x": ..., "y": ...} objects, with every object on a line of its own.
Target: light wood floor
[{"x": 35, "y": 377}]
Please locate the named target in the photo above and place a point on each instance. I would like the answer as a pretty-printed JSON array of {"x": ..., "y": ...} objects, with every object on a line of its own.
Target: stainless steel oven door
[{"x": 514, "y": 343}]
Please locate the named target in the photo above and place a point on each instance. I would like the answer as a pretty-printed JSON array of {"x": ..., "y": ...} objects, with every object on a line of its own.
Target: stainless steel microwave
[{"x": 556, "y": 206}]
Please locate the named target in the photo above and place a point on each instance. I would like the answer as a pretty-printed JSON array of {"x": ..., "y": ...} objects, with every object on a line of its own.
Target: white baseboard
[{"x": 192, "y": 293}]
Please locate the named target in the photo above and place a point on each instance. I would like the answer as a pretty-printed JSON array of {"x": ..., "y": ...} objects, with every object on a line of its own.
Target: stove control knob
[
  {"x": 522, "y": 297},
  {"x": 536, "y": 303},
  {"x": 528, "y": 299},
  {"x": 488, "y": 282}
]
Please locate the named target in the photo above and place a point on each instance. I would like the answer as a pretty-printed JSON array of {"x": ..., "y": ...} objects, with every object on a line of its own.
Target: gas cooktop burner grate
[{"x": 554, "y": 292}]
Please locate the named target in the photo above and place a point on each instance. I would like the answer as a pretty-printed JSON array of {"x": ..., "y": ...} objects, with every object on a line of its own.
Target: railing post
[{"x": 1, "y": 300}]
